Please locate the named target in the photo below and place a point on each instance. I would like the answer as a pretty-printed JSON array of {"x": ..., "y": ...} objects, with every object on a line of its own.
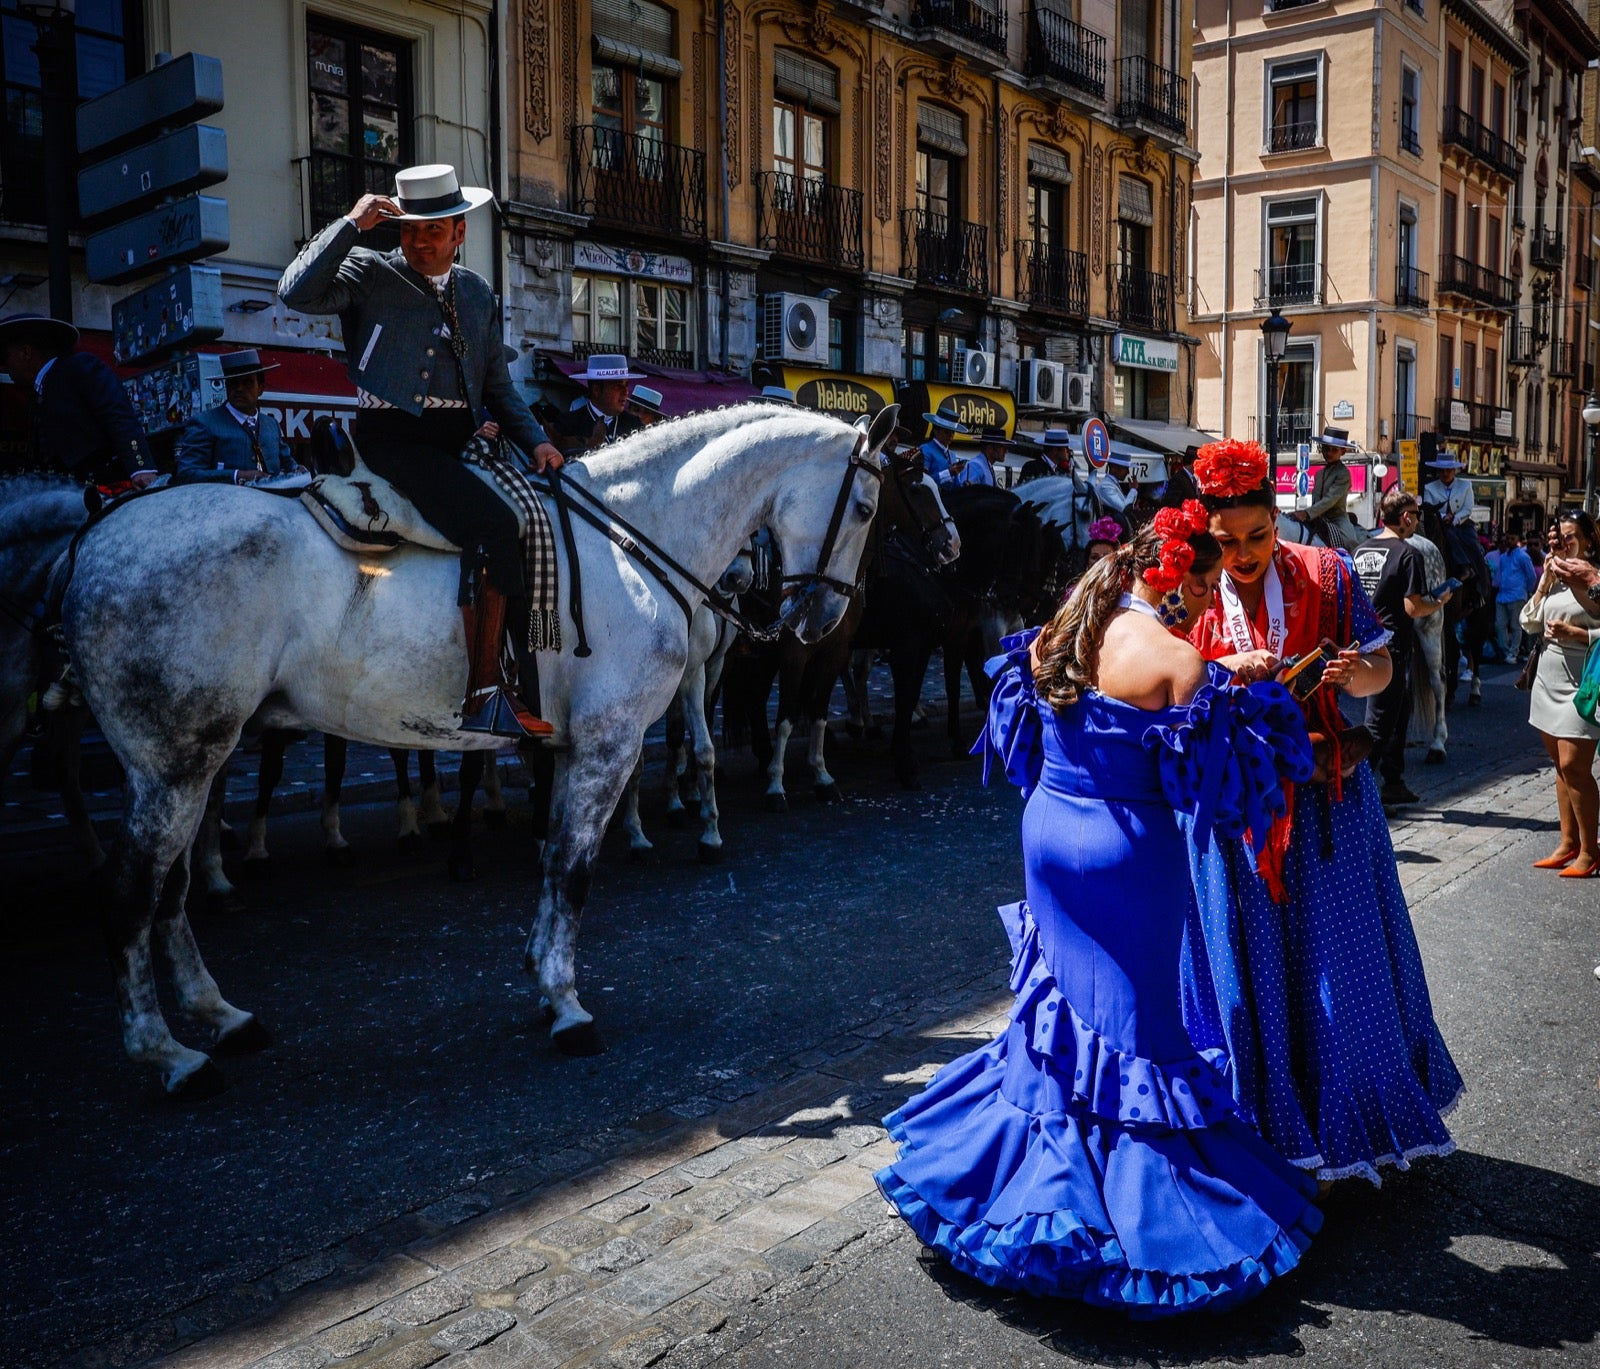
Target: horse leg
[
  {"x": 823, "y": 786},
  {"x": 335, "y": 757},
  {"x": 777, "y": 799},
  {"x": 158, "y": 826},
  {"x": 586, "y": 788},
  {"x": 494, "y": 797},
  {"x": 954, "y": 653},
  {"x": 219, "y": 893},
  {"x": 909, "y": 665},
  {"x": 432, "y": 810},
  {"x": 639, "y": 846},
  {"x": 468, "y": 778},
  {"x": 408, "y": 831},
  {"x": 274, "y": 742},
  {"x": 69, "y": 724},
  {"x": 697, "y": 707},
  {"x": 677, "y": 750}
]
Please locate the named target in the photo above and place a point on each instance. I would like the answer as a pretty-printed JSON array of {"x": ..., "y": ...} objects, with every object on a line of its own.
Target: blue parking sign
[{"x": 1096, "y": 443}]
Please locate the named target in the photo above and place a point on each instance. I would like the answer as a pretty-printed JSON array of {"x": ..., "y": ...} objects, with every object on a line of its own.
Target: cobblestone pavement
[{"x": 690, "y": 1243}]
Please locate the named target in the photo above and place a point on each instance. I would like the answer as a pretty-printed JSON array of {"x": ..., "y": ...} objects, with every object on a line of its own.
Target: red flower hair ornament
[
  {"x": 1176, "y": 527},
  {"x": 1229, "y": 468}
]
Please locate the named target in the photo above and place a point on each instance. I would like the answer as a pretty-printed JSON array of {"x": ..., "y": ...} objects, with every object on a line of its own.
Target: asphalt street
[{"x": 409, "y": 1085}]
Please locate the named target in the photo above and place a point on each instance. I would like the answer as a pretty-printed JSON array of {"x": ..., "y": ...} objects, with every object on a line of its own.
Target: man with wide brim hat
[
  {"x": 645, "y": 404},
  {"x": 1054, "y": 457},
  {"x": 1329, "y": 512},
  {"x": 602, "y": 415},
  {"x": 978, "y": 467},
  {"x": 236, "y": 442},
  {"x": 936, "y": 455},
  {"x": 83, "y": 422},
  {"x": 1452, "y": 497},
  {"x": 776, "y": 394},
  {"x": 426, "y": 352}
]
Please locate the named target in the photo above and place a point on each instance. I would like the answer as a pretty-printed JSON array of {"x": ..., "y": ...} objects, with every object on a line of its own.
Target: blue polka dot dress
[{"x": 1090, "y": 1151}]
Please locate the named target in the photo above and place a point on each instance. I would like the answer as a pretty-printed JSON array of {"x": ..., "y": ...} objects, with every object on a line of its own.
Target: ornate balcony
[
  {"x": 1485, "y": 288},
  {"x": 1060, "y": 50},
  {"x": 1153, "y": 95},
  {"x": 1563, "y": 360},
  {"x": 1410, "y": 288},
  {"x": 1296, "y": 283},
  {"x": 631, "y": 181},
  {"x": 1522, "y": 346},
  {"x": 1295, "y": 137},
  {"x": 1459, "y": 129},
  {"x": 1294, "y": 427},
  {"x": 1544, "y": 248},
  {"x": 944, "y": 252},
  {"x": 807, "y": 220},
  {"x": 1492, "y": 422},
  {"x": 971, "y": 20},
  {"x": 1052, "y": 279},
  {"x": 1141, "y": 299}
]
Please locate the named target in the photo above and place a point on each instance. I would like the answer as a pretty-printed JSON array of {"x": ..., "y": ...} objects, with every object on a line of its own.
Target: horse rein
[{"x": 858, "y": 461}]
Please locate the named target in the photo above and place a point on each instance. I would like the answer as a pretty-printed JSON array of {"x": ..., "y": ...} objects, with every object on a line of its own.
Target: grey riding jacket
[{"x": 394, "y": 330}]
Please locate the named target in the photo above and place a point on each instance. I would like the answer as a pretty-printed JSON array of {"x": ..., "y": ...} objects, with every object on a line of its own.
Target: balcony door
[
  {"x": 1405, "y": 392},
  {"x": 1292, "y": 254},
  {"x": 941, "y": 160},
  {"x": 800, "y": 157}
]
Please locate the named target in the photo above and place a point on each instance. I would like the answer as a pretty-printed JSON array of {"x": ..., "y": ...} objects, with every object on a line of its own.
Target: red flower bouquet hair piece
[
  {"x": 1176, "y": 527},
  {"x": 1229, "y": 468}
]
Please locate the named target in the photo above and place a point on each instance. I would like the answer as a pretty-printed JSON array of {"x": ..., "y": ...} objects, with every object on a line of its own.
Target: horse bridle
[
  {"x": 925, "y": 530},
  {"x": 859, "y": 460}
]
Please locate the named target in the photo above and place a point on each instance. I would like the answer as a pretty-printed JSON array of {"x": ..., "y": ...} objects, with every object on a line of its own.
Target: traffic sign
[
  {"x": 1302, "y": 484},
  {"x": 1096, "y": 443},
  {"x": 183, "y": 160},
  {"x": 179, "y": 310},
  {"x": 1302, "y": 456},
  {"x": 195, "y": 226},
  {"x": 176, "y": 92}
]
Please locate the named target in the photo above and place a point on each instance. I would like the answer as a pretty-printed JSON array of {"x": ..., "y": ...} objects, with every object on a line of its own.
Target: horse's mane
[
  {"x": 660, "y": 439},
  {"x": 15, "y": 485}
]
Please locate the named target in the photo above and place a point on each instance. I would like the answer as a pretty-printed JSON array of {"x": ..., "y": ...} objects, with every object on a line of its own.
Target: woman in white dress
[{"x": 1565, "y": 613}]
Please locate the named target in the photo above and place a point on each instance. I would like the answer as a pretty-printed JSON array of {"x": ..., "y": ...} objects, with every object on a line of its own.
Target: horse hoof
[
  {"x": 339, "y": 857},
  {"x": 462, "y": 870},
  {"x": 677, "y": 818},
  {"x": 545, "y": 1014},
  {"x": 199, "y": 1084},
  {"x": 438, "y": 831},
  {"x": 496, "y": 819},
  {"x": 709, "y": 854},
  {"x": 411, "y": 844},
  {"x": 257, "y": 870},
  {"x": 582, "y": 1038},
  {"x": 777, "y": 803},
  {"x": 1434, "y": 758},
  {"x": 825, "y": 793},
  {"x": 224, "y": 904},
  {"x": 248, "y": 1036}
]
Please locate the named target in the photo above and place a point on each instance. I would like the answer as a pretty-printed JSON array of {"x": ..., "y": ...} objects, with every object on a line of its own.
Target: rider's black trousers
[{"x": 421, "y": 456}]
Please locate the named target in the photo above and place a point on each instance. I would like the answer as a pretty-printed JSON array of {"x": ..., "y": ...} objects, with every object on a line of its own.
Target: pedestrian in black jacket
[{"x": 83, "y": 423}]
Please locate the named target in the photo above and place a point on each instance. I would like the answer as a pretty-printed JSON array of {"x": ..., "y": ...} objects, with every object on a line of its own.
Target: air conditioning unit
[
  {"x": 1078, "y": 392},
  {"x": 1039, "y": 383},
  {"x": 795, "y": 328},
  {"x": 975, "y": 368}
]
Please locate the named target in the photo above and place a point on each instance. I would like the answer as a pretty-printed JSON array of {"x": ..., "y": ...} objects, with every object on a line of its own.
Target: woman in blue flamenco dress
[
  {"x": 1090, "y": 1152},
  {"x": 1300, "y": 967}
]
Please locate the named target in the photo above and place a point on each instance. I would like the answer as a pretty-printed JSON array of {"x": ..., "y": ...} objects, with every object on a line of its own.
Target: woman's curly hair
[{"x": 1069, "y": 644}]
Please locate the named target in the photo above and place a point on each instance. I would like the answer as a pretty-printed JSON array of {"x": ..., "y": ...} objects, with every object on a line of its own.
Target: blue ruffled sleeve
[
  {"x": 1014, "y": 735},
  {"x": 1227, "y": 756}
]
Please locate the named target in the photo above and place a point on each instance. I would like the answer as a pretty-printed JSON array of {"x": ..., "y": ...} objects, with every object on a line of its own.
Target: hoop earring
[{"x": 1172, "y": 611}]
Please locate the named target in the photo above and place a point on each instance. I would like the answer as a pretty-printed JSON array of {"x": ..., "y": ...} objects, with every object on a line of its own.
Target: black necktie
[{"x": 252, "y": 427}]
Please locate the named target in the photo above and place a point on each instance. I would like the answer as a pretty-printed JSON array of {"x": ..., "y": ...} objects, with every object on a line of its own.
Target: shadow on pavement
[{"x": 1508, "y": 1252}]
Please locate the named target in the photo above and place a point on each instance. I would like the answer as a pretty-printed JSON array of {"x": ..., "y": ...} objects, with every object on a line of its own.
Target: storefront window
[
  {"x": 596, "y": 312},
  {"x": 360, "y": 114},
  {"x": 661, "y": 324},
  {"x": 649, "y": 320},
  {"x": 1137, "y": 393}
]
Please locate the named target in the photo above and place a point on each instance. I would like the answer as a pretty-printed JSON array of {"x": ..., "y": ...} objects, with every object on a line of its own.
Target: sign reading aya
[{"x": 1144, "y": 353}]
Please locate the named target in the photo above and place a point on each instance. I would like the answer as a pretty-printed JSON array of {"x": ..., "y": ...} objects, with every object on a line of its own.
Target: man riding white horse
[{"x": 423, "y": 339}]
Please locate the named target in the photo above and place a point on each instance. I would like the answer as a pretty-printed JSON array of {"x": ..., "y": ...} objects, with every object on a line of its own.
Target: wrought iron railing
[
  {"x": 1410, "y": 139},
  {"x": 1292, "y": 283},
  {"x": 1294, "y": 427},
  {"x": 1141, "y": 298},
  {"x": 809, "y": 220},
  {"x": 1481, "y": 284},
  {"x": 949, "y": 253},
  {"x": 667, "y": 357},
  {"x": 1445, "y": 420},
  {"x": 1522, "y": 346},
  {"x": 974, "y": 20},
  {"x": 1064, "y": 51},
  {"x": 1491, "y": 421},
  {"x": 1052, "y": 278},
  {"x": 1408, "y": 427},
  {"x": 1544, "y": 247},
  {"x": 638, "y": 182},
  {"x": 1460, "y": 129},
  {"x": 1293, "y": 137},
  {"x": 1150, "y": 92},
  {"x": 1563, "y": 360},
  {"x": 1410, "y": 287}
]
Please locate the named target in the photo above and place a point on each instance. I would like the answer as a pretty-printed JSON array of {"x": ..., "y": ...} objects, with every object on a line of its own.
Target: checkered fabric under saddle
[{"x": 538, "y": 541}]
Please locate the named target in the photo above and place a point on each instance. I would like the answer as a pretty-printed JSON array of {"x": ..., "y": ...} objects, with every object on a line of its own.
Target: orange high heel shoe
[
  {"x": 1555, "y": 862},
  {"x": 1590, "y": 873}
]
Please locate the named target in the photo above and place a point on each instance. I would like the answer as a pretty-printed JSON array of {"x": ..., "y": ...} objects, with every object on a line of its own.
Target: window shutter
[
  {"x": 1133, "y": 201},
  {"x": 809, "y": 82},
  {"x": 941, "y": 128},
  {"x": 635, "y": 33},
  {"x": 1046, "y": 163}
]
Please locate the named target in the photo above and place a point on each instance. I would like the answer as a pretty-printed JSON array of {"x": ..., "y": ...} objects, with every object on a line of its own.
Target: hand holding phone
[{"x": 1448, "y": 587}]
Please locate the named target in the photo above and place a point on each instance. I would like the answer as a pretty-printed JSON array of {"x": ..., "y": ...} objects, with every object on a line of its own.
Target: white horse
[
  {"x": 1429, "y": 722},
  {"x": 194, "y": 611},
  {"x": 688, "y": 722}
]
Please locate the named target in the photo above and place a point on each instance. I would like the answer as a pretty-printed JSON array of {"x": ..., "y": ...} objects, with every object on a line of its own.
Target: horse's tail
[{"x": 1424, "y": 703}]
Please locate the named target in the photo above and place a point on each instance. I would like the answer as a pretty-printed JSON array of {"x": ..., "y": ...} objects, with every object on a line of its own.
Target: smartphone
[
  {"x": 1303, "y": 675},
  {"x": 1451, "y": 584}
]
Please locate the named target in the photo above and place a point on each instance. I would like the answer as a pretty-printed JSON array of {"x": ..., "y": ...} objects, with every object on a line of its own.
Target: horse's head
[
  {"x": 740, "y": 574},
  {"x": 912, "y": 503},
  {"x": 821, "y": 516}
]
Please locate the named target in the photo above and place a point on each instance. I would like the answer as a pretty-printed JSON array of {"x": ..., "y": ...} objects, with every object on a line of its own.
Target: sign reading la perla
[
  {"x": 630, "y": 261},
  {"x": 1144, "y": 353}
]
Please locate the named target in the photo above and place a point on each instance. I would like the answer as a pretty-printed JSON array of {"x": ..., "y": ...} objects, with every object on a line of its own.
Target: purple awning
[{"x": 682, "y": 392}]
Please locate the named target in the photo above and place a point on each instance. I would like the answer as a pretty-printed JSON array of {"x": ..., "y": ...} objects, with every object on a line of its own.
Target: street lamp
[
  {"x": 54, "y": 47},
  {"x": 1274, "y": 337},
  {"x": 1591, "y": 416}
]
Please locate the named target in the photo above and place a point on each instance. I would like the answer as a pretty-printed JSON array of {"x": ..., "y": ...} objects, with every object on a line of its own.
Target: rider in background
[
  {"x": 234, "y": 443},
  {"x": 423, "y": 343},
  {"x": 936, "y": 456},
  {"x": 1330, "y": 493},
  {"x": 1452, "y": 497},
  {"x": 602, "y": 414}
]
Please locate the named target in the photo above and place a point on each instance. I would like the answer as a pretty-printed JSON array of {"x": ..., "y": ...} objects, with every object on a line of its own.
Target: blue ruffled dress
[{"x": 1090, "y": 1152}]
